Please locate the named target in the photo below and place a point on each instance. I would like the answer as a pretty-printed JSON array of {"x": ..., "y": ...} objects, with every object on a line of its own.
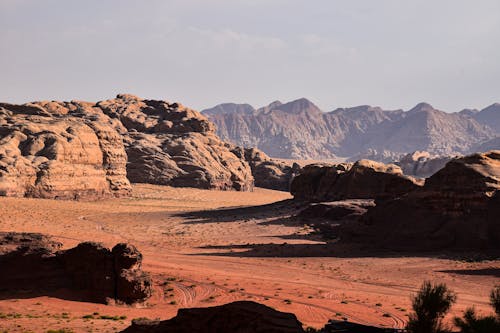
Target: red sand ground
[{"x": 367, "y": 289}]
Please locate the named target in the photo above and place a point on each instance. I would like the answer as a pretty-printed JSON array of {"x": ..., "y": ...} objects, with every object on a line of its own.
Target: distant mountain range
[{"x": 300, "y": 130}]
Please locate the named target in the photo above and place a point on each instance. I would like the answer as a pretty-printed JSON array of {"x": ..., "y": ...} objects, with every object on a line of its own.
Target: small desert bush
[
  {"x": 495, "y": 299},
  {"x": 471, "y": 323},
  {"x": 430, "y": 305}
]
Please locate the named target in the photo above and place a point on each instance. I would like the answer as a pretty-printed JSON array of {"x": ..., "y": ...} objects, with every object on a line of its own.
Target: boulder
[
  {"x": 34, "y": 263},
  {"x": 337, "y": 326},
  {"x": 337, "y": 211},
  {"x": 236, "y": 317},
  {"x": 364, "y": 179},
  {"x": 327, "y": 217}
]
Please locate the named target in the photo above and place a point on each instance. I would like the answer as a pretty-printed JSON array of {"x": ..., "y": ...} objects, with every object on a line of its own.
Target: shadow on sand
[
  {"x": 284, "y": 213},
  {"x": 495, "y": 272},
  {"x": 280, "y": 212}
]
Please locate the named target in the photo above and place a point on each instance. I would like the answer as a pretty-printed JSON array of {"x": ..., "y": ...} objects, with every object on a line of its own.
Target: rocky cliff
[
  {"x": 170, "y": 144},
  {"x": 78, "y": 149},
  {"x": 47, "y": 152}
]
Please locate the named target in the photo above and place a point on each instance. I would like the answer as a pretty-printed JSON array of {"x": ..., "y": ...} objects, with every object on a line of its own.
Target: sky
[{"x": 389, "y": 53}]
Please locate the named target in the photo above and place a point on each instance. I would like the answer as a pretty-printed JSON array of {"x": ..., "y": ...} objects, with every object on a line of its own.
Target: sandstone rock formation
[
  {"x": 236, "y": 317},
  {"x": 34, "y": 263},
  {"x": 422, "y": 164},
  {"x": 300, "y": 130},
  {"x": 80, "y": 149},
  {"x": 456, "y": 208},
  {"x": 170, "y": 144},
  {"x": 268, "y": 173},
  {"x": 362, "y": 180},
  {"x": 57, "y": 155},
  {"x": 315, "y": 180}
]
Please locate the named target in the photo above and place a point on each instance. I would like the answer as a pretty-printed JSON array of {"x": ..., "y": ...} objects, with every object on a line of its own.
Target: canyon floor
[{"x": 207, "y": 248}]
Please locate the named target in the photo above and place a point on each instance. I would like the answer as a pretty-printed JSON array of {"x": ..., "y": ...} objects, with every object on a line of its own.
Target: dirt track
[{"x": 208, "y": 247}]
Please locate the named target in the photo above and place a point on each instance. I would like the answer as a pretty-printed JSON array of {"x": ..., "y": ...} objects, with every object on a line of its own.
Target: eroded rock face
[
  {"x": 87, "y": 150},
  {"x": 34, "y": 263},
  {"x": 456, "y": 208},
  {"x": 300, "y": 130},
  {"x": 169, "y": 144},
  {"x": 364, "y": 179},
  {"x": 267, "y": 172},
  {"x": 55, "y": 155},
  {"x": 317, "y": 180},
  {"x": 236, "y": 317}
]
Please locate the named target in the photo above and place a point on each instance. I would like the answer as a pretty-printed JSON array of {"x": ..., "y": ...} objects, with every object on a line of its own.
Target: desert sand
[{"x": 207, "y": 248}]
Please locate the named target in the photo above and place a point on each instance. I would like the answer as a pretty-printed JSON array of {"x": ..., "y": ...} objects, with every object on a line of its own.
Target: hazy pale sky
[{"x": 391, "y": 53}]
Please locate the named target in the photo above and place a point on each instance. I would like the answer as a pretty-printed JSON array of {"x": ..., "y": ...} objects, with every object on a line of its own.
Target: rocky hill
[
  {"x": 92, "y": 150},
  {"x": 489, "y": 116},
  {"x": 455, "y": 208},
  {"x": 300, "y": 130}
]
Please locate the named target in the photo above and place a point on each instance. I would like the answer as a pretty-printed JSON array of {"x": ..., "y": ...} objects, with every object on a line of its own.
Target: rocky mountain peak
[
  {"x": 301, "y": 105},
  {"x": 422, "y": 107},
  {"x": 229, "y": 108},
  {"x": 300, "y": 130}
]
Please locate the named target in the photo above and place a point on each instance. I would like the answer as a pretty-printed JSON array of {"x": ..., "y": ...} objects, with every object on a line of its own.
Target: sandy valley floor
[{"x": 207, "y": 248}]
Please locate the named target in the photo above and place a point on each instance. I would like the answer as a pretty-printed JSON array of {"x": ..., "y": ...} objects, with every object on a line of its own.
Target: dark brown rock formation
[
  {"x": 456, "y": 208},
  {"x": 339, "y": 211},
  {"x": 236, "y": 317},
  {"x": 316, "y": 180},
  {"x": 327, "y": 217},
  {"x": 33, "y": 263},
  {"x": 267, "y": 172},
  {"x": 80, "y": 149},
  {"x": 337, "y": 326},
  {"x": 363, "y": 180}
]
